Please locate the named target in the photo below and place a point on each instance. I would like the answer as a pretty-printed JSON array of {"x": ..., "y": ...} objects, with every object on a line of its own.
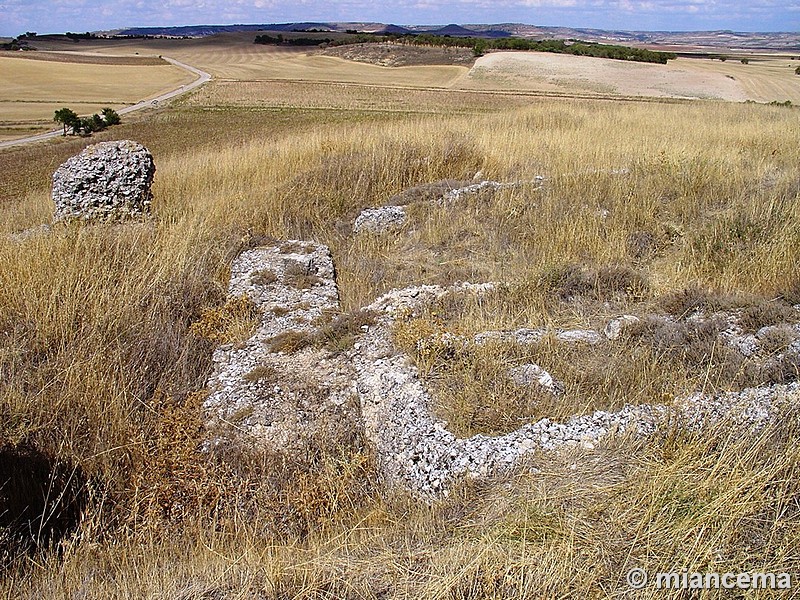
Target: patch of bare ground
[
  {"x": 761, "y": 78},
  {"x": 401, "y": 55}
]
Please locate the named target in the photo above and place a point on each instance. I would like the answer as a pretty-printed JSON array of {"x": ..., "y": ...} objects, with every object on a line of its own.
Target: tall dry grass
[{"x": 103, "y": 371}]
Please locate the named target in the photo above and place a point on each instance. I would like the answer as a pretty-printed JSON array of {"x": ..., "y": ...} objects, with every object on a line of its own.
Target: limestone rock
[
  {"x": 289, "y": 401},
  {"x": 615, "y": 328},
  {"x": 579, "y": 336},
  {"x": 108, "y": 181},
  {"x": 532, "y": 374},
  {"x": 522, "y": 336},
  {"x": 380, "y": 220},
  {"x": 273, "y": 400}
]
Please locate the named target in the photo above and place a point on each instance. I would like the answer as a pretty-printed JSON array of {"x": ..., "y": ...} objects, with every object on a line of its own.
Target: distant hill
[
  {"x": 453, "y": 31},
  {"x": 788, "y": 41},
  {"x": 394, "y": 29}
]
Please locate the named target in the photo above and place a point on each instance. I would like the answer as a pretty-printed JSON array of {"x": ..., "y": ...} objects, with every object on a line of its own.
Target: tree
[
  {"x": 91, "y": 124},
  {"x": 67, "y": 118},
  {"x": 479, "y": 49},
  {"x": 745, "y": 61},
  {"x": 110, "y": 116},
  {"x": 797, "y": 71}
]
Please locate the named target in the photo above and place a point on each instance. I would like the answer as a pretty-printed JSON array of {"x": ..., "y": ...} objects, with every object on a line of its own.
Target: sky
[{"x": 59, "y": 16}]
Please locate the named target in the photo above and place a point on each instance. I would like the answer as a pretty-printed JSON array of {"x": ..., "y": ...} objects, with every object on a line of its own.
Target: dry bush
[
  {"x": 261, "y": 372},
  {"x": 336, "y": 335},
  {"x": 605, "y": 283},
  {"x": 298, "y": 276},
  {"x": 234, "y": 321},
  {"x": 695, "y": 298},
  {"x": 762, "y": 314},
  {"x": 340, "y": 333},
  {"x": 173, "y": 482},
  {"x": 290, "y": 341},
  {"x": 291, "y": 495},
  {"x": 295, "y": 247},
  {"x": 263, "y": 277}
]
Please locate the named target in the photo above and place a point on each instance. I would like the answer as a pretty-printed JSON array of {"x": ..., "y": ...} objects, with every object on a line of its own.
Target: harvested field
[
  {"x": 763, "y": 80},
  {"x": 238, "y": 58},
  {"x": 88, "y": 59},
  {"x": 33, "y": 89},
  {"x": 315, "y": 67},
  {"x": 349, "y": 96},
  {"x": 44, "y": 81}
]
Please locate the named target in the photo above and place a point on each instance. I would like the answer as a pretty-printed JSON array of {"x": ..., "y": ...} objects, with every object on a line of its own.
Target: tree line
[
  {"x": 481, "y": 45},
  {"x": 579, "y": 48},
  {"x": 292, "y": 41},
  {"x": 86, "y": 125}
]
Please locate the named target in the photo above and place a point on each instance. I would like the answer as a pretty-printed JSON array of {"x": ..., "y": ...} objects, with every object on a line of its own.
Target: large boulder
[{"x": 108, "y": 181}]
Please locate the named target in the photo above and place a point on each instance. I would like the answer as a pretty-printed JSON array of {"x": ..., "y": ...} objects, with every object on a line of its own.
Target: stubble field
[
  {"x": 763, "y": 79},
  {"x": 103, "y": 372},
  {"x": 33, "y": 89}
]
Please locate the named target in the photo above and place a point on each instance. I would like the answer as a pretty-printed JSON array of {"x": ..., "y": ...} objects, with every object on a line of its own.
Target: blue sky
[{"x": 58, "y": 16}]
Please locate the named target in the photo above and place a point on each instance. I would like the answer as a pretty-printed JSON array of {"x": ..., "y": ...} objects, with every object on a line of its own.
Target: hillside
[
  {"x": 787, "y": 41},
  {"x": 323, "y": 328}
]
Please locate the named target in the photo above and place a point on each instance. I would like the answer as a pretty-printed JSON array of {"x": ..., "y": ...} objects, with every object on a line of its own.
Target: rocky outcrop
[
  {"x": 615, "y": 328},
  {"x": 444, "y": 192},
  {"x": 417, "y": 452},
  {"x": 109, "y": 181},
  {"x": 276, "y": 391}
]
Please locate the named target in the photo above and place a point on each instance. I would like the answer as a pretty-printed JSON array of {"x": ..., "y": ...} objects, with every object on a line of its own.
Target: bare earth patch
[
  {"x": 401, "y": 55},
  {"x": 561, "y": 73}
]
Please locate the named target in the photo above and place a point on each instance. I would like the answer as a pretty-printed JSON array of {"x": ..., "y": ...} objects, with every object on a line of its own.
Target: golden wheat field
[
  {"x": 652, "y": 203},
  {"x": 33, "y": 89}
]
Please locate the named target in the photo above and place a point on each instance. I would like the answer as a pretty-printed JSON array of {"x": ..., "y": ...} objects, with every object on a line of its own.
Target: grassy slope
[{"x": 100, "y": 368}]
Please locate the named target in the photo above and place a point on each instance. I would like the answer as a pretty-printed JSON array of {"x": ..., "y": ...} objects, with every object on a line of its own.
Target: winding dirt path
[{"x": 202, "y": 77}]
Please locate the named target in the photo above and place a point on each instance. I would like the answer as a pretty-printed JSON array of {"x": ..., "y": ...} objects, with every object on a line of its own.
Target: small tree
[
  {"x": 67, "y": 118},
  {"x": 745, "y": 61},
  {"x": 797, "y": 71},
  {"x": 91, "y": 124},
  {"x": 110, "y": 116},
  {"x": 479, "y": 49}
]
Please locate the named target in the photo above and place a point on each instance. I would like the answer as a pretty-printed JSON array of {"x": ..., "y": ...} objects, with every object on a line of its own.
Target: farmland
[
  {"x": 34, "y": 89},
  {"x": 687, "y": 203}
]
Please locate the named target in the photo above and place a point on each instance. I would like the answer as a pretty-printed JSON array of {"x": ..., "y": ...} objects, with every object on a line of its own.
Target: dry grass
[
  {"x": 350, "y": 96},
  {"x": 102, "y": 370},
  {"x": 715, "y": 504}
]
